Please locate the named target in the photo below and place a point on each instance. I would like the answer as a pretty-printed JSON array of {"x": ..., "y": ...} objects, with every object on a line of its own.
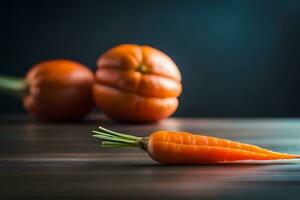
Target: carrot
[{"x": 170, "y": 147}]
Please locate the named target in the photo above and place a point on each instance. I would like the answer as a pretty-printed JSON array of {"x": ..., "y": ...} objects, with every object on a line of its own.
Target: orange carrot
[{"x": 170, "y": 147}]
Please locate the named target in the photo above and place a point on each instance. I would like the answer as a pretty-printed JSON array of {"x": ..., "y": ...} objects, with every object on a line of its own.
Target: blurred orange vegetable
[
  {"x": 136, "y": 84},
  {"x": 54, "y": 90}
]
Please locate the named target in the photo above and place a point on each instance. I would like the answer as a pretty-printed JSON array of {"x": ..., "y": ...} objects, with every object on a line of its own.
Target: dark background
[{"x": 237, "y": 58}]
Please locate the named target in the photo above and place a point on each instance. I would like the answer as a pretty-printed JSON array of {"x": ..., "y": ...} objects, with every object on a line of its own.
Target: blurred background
[{"x": 237, "y": 58}]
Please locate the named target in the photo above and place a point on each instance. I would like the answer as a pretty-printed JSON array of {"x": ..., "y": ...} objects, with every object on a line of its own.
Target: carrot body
[
  {"x": 185, "y": 148},
  {"x": 170, "y": 147}
]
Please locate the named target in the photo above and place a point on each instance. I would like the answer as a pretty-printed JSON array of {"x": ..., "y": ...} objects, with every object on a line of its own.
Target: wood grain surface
[{"x": 63, "y": 161}]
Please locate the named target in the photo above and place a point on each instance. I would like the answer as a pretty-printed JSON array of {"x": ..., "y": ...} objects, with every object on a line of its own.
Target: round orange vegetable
[
  {"x": 170, "y": 147},
  {"x": 136, "y": 84},
  {"x": 54, "y": 90}
]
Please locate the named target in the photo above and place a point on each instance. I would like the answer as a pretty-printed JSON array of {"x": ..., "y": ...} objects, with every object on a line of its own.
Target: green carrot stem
[
  {"x": 13, "y": 86},
  {"x": 118, "y": 134},
  {"x": 110, "y": 143},
  {"x": 101, "y": 133},
  {"x": 114, "y": 139},
  {"x": 117, "y": 144}
]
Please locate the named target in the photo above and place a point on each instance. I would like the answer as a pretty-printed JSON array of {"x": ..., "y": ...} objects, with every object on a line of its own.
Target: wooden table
[{"x": 63, "y": 161}]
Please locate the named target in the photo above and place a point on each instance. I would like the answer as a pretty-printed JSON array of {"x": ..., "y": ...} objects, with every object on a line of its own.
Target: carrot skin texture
[{"x": 167, "y": 147}]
